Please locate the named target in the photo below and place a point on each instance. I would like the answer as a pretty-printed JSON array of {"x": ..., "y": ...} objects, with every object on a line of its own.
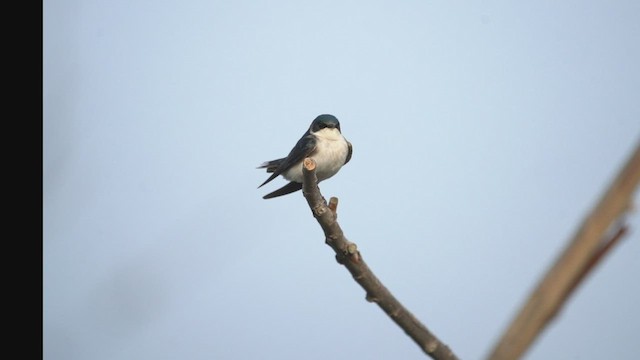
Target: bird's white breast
[{"x": 330, "y": 154}]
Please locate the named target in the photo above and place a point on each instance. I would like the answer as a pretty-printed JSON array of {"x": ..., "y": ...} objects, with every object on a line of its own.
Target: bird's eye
[{"x": 323, "y": 125}]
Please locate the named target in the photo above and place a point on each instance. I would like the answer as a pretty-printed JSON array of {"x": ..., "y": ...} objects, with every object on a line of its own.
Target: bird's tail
[
  {"x": 287, "y": 189},
  {"x": 272, "y": 165}
]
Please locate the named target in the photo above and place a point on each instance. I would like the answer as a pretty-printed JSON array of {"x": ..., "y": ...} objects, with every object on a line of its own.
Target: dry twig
[
  {"x": 584, "y": 250},
  {"x": 348, "y": 255}
]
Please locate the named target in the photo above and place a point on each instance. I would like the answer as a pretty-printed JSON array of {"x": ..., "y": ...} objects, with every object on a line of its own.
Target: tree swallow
[{"x": 324, "y": 143}]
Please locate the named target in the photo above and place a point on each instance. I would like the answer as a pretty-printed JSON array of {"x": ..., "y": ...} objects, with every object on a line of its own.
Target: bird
[{"x": 324, "y": 143}]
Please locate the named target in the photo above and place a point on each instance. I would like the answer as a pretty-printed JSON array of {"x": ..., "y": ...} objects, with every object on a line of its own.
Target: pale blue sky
[{"x": 483, "y": 132}]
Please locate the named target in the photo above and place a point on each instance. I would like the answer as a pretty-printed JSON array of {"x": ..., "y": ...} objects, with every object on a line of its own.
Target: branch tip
[{"x": 309, "y": 164}]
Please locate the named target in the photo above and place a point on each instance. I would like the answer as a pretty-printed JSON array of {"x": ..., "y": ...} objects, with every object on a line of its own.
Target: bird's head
[{"x": 326, "y": 124}]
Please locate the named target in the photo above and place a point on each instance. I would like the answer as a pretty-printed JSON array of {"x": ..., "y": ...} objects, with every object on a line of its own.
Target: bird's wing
[
  {"x": 305, "y": 147},
  {"x": 287, "y": 189},
  {"x": 349, "y": 153},
  {"x": 272, "y": 165}
]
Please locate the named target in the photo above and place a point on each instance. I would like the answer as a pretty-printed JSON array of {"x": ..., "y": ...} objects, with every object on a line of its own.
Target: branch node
[
  {"x": 333, "y": 205},
  {"x": 430, "y": 347},
  {"x": 330, "y": 239},
  {"x": 371, "y": 298},
  {"x": 395, "y": 313},
  {"x": 352, "y": 252},
  {"x": 319, "y": 210},
  {"x": 352, "y": 248}
]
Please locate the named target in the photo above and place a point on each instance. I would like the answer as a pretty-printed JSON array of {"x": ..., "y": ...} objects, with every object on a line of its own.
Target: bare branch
[
  {"x": 348, "y": 255},
  {"x": 585, "y": 248},
  {"x": 602, "y": 250}
]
